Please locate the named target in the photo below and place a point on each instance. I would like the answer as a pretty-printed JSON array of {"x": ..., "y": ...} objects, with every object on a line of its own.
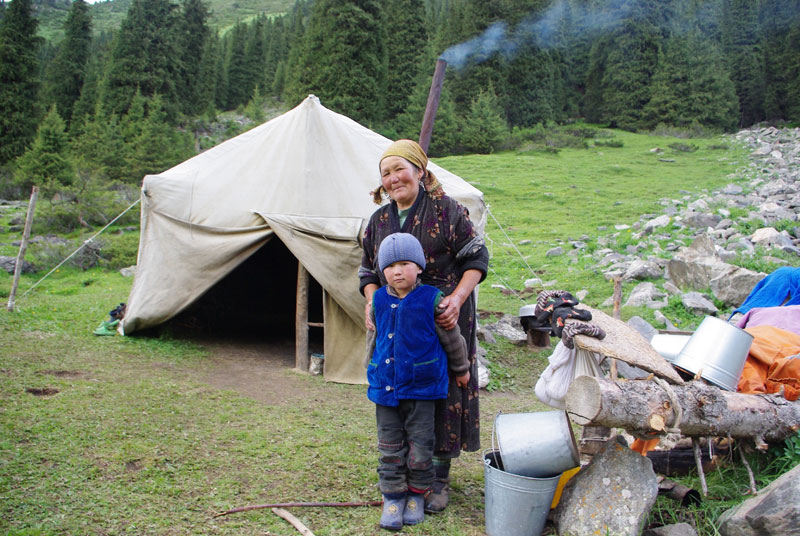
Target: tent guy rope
[{"x": 85, "y": 242}]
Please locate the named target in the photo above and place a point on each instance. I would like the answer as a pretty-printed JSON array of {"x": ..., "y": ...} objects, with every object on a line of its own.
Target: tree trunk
[{"x": 644, "y": 409}]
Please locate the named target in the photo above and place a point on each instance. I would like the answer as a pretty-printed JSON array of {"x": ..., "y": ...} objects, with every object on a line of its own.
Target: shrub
[
  {"x": 683, "y": 147},
  {"x": 119, "y": 250},
  {"x": 609, "y": 143}
]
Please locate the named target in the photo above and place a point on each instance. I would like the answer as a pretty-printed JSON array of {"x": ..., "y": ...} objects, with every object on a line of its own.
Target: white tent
[{"x": 303, "y": 178}]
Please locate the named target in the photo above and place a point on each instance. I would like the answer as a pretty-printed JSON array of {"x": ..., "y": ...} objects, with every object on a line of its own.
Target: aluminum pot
[
  {"x": 717, "y": 350},
  {"x": 669, "y": 345},
  {"x": 537, "y": 445}
]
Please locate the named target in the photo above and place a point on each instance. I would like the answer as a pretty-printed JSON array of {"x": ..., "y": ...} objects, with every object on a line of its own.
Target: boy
[{"x": 407, "y": 372}]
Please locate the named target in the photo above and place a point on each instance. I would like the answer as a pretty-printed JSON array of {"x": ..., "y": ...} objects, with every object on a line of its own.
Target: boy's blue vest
[{"x": 409, "y": 362}]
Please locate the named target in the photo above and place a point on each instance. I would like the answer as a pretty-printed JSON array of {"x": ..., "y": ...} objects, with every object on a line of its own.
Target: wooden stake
[
  {"x": 22, "y": 247},
  {"x": 296, "y": 523},
  {"x": 302, "y": 357},
  {"x": 617, "y": 299},
  {"x": 699, "y": 462}
]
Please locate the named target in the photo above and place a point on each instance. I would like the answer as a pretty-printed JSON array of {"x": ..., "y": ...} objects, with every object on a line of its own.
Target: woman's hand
[
  {"x": 462, "y": 380},
  {"x": 369, "y": 290},
  {"x": 452, "y": 307}
]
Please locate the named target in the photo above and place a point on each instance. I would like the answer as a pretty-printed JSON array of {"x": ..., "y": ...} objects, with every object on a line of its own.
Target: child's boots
[
  {"x": 393, "y": 512},
  {"x": 414, "y": 513}
]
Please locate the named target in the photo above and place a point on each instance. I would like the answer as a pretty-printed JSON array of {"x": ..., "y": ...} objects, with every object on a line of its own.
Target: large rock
[
  {"x": 641, "y": 269},
  {"x": 733, "y": 286},
  {"x": 695, "y": 266},
  {"x": 769, "y": 236},
  {"x": 643, "y": 294},
  {"x": 698, "y": 304},
  {"x": 774, "y": 511},
  {"x": 613, "y": 494},
  {"x": 9, "y": 263}
]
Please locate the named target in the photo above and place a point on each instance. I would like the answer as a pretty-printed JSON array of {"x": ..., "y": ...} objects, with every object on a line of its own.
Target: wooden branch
[
  {"x": 644, "y": 409},
  {"x": 294, "y": 505},
  {"x": 296, "y": 523}
]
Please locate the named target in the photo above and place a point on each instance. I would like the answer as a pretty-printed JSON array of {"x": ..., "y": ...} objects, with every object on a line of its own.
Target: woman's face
[{"x": 400, "y": 179}]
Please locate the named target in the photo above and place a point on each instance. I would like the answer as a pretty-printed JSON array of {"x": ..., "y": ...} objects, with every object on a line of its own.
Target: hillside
[{"x": 108, "y": 15}]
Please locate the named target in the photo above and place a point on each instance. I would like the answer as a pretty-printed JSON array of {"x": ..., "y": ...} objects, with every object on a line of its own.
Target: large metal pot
[
  {"x": 669, "y": 345},
  {"x": 537, "y": 445},
  {"x": 717, "y": 351}
]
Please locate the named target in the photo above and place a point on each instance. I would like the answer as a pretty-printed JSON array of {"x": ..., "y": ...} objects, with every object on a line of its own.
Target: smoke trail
[{"x": 541, "y": 29}]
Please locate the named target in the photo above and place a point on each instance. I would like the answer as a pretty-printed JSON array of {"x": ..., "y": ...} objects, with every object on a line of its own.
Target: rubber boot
[
  {"x": 393, "y": 509},
  {"x": 414, "y": 513},
  {"x": 437, "y": 499}
]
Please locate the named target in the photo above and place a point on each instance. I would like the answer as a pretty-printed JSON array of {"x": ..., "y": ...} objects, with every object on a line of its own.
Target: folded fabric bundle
[{"x": 574, "y": 327}]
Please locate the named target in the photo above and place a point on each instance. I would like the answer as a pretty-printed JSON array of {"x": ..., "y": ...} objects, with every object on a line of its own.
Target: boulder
[
  {"x": 678, "y": 529},
  {"x": 613, "y": 494},
  {"x": 642, "y": 294},
  {"x": 641, "y": 269},
  {"x": 698, "y": 304},
  {"x": 9, "y": 264},
  {"x": 774, "y": 511},
  {"x": 733, "y": 286}
]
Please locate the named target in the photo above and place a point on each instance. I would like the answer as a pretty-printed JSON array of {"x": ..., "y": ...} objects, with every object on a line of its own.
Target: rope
[
  {"x": 85, "y": 242},
  {"x": 510, "y": 241},
  {"x": 676, "y": 406}
]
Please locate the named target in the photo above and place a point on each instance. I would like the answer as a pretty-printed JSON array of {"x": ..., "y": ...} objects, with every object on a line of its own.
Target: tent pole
[{"x": 301, "y": 319}]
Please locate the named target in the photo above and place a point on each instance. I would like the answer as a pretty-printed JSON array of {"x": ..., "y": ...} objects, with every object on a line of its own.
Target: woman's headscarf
[{"x": 411, "y": 151}]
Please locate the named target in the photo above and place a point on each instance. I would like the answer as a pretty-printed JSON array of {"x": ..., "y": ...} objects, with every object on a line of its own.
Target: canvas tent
[{"x": 302, "y": 178}]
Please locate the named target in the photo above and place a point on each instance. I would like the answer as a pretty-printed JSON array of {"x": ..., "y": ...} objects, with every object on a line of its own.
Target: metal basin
[
  {"x": 717, "y": 351},
  {"x": 669, "y": 345},
  {"x": 537, "y": 445}
]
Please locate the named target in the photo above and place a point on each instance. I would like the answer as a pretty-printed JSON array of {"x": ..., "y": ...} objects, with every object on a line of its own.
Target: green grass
[{"x": 136, "y": 441}]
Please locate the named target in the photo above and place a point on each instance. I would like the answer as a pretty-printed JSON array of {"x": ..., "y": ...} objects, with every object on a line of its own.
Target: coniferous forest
[{"x": 94, "y": 110}]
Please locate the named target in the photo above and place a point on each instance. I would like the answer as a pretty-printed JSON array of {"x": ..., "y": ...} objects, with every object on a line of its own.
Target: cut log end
[{"x": 584, "y": 400}]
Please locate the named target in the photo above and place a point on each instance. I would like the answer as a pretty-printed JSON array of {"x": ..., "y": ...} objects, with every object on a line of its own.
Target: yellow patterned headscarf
[{"x": 411, "y": 151}]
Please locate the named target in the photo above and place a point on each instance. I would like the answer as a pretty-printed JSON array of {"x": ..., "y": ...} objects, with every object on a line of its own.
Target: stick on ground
[{"x": 296, "y": 523}]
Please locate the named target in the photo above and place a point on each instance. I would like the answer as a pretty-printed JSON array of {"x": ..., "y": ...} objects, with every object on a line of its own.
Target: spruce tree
[
  {"x": 66, "y": 74},
  {"x": 239, "y": 80},
  {"x": 146, "y": 55},
  {"x": 47, "y": 163},
  {"x": 19, "y": 82},
  {"x": 100, "y": 150},
  {"x": 344, "y": 58},
  {"x": 193, "y": 45},
  {"x": 691, "y": 86},
  {"x": 744, "y": 58},
  {"x": 530, "y": 82},
  {"x": 484, "y": 124},
  {"x": 404, "y": 44}
]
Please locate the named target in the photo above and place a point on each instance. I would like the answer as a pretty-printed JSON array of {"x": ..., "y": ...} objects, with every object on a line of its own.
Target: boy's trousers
[{"x": 405, "y": 444}]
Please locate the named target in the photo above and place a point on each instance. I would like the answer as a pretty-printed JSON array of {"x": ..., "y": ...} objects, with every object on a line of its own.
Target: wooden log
[
  {"x": 645, "y": 409},
  {"x": 296, "y": 523},
  {"x": 26, "y": 233},
  {"x": 301, "y": 355}
]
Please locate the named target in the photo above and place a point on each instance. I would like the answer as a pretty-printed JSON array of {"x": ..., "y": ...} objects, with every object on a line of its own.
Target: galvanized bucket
[
  {"x": 669, "y": 345},
  {"x": 538, "y": 445},
  {"x": 515, "y": 505},
  {"x": 717, "y": 351}
]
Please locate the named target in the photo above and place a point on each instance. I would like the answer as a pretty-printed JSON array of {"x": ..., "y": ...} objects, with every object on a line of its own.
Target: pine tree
[
  {"x": 484, "y": 125},
  {"x": 238, "y": 74},
  {"x": 297, "y": 69},
  {"x": 100, "y": 149},
  {"x": 19, "y": 81},
  {"x": 407, "y": 38},
  {"x": 530, "y": 82},
  {"x": 344, "y": 58},
  {"x": 691, "y": 86},
  {"x": 158, "y": 146},
  {"x": 66, "y": 74},
  {"x": 47, "y": 163},
  {"x": 145, "y": 55},
  {"x": 193, "y": 45},
  {"x": 744, "y": 58}
]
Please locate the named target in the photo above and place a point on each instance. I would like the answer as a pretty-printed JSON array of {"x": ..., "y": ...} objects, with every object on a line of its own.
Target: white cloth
[{"x": 565, "y": 365}]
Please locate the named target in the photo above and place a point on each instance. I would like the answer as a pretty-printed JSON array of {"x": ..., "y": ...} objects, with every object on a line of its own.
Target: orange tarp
[{"x": 768, "y": 367}]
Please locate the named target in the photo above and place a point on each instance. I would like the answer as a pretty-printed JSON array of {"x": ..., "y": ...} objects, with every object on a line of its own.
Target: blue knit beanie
[{"x": 400, "y": 247}]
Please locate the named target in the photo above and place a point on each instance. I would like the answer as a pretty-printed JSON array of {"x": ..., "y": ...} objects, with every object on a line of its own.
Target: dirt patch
[
  {"x": 63, "y": 373},
  {"x": 257, "y": 369},
  {"x": 42, "y": 391}
]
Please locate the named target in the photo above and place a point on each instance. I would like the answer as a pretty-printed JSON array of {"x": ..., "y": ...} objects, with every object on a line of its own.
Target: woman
[{"x": 456, "y": 261}]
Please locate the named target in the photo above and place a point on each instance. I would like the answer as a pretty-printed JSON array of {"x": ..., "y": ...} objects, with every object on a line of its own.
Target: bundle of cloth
[{"x": 556, "y": 309}]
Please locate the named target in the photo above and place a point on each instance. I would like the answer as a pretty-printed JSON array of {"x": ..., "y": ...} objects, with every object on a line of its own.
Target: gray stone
[
  {"x": 664, "y": 321},
  {"x": 640, "y": 269},
  {"x": 554, "y": 252},
  {"x": 9, "y": 264},
  {"x": 533, "y": 282},
  {"x": 613, "y": 494},
  {"x": 656, "y": 223},
  {"x": 581, "y": 294},
  {"x": 642, "y": 294},
  {"x": 642, "y": 326},
  {"x": 774, "y": 511},
  {"x": 509, "y": 328},
  {"x": 733, "y": 287},
  {"x": 130, "y": 271},
  {"x": 671, "y": 289},
  {"x": 769, "y": 236},
  {"x": 701, "y": 220},
  {"x": 698, "y": 304},
  {"x": 678, "y": 529},
  {"x": 732, "y": 189}
]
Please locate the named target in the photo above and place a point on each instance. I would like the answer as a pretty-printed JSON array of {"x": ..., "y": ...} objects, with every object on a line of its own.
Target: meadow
[{"x": 127, "y": 435}]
